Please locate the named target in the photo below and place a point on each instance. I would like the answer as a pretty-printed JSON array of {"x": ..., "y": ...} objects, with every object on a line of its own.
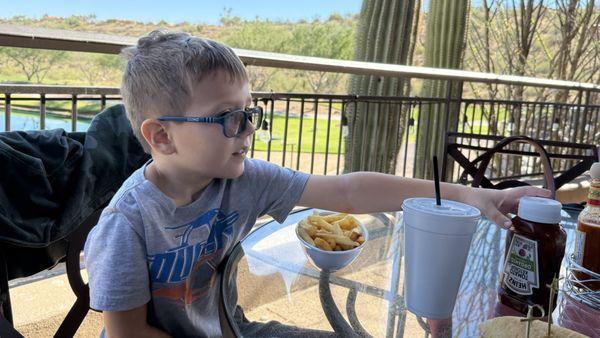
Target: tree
[
  {"x": 444, "y": 46},
  {"x": 558, "y": 41},
  {"x": 328, "y": 39},
  {"x": 481, "y": 46},
  {"x": 525, "y": 19},
  {"x": 577, "y": 57},
  {"x": 480, "y": 42},
  {"x": 256, "y": 35},
  {"x": 385, "y": 34},
  {"x": 34, "y": 64},
  {"x": 99, "y": 67}
]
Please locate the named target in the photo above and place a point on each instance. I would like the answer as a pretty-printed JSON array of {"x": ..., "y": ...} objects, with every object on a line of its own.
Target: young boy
[{"x": 152, "y": 258}]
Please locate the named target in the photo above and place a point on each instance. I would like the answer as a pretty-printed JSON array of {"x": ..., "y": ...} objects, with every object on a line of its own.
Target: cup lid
[
  {"x": 447, "y": 208},
  {"x": 539, "y": 209},
  {"x": 449, "y": 218}
]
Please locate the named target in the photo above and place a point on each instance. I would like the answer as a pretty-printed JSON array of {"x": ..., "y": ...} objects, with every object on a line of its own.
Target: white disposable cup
[{"x": 436, "y": 245}]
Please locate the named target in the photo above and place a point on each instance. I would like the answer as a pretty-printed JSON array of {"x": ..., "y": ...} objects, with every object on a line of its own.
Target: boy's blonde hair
[{"x": 162, "y": 70}]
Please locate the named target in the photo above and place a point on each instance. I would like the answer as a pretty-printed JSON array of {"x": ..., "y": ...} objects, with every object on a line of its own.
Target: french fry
[
  {"x": 322, "y": 244},
  {"x": 320, "y": 222},
  {"x": 353, "y": 221},
  {"x": 303, "y": 223},
  {"x": 354, "y": 235},
  {"x": 334, "y": 217},
  {"x": 338, "y": 239},
  {"x": 346, "y": 223},
  {"x": 331, "y": 241},
  {"x": 335, "y": 232},
  {"x": 310, "y": 229},
  {"x": 305, "y": 236}
]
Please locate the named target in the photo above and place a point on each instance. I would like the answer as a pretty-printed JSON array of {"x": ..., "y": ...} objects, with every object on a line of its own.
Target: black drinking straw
[{"x": 436, "y": 180}]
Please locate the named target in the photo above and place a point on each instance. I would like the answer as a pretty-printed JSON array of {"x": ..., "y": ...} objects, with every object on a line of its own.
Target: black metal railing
[{"x": 307, "y": 131}]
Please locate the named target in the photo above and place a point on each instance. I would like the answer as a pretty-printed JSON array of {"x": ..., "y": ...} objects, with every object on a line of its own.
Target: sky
[{"x": 174, "y": 11}]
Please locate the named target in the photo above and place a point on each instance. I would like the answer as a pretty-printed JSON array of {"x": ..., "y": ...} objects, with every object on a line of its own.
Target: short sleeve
[
  {"x": 115, "y": 258},
  {"x": 279, "y": 189}
]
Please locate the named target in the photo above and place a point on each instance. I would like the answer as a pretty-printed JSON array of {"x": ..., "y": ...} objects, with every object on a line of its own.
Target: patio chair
[
  {"x": 52, "y": 191},
  {"x": 573, "y": 158},
  {"x": 14, "y": 257}
]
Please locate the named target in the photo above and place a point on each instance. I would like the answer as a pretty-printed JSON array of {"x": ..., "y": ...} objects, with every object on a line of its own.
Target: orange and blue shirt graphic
[{"x": 186, "y": 272}]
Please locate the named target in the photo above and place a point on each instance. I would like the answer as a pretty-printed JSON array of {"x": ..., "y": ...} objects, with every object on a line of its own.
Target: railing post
[
  {"x": 285, "y": 131},
  {"x": 300, "y": 134},
  {"x": 448, "y": 101},
  {"x": 7, "y": 112},
  {"x": 451, "y": 120},
  {"x": 577, "y": 119},
  {"x": 102, "y": 102},
  {"x": 272, "y": 108},
  {"x": 586, "y": 111},
  {"x": 590, "y": 112},
  {"x": 74, "y": 112},
  {"x": 42, "y": 111},
  {"x": 314, "y": 138},
  {"x": 327, "y": 137}
]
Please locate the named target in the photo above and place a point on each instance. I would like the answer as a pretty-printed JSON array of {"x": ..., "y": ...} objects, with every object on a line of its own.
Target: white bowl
[{"x": 333, "y": 260}]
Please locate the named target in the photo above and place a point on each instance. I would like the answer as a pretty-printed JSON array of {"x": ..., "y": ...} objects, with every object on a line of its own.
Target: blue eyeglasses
[{"x": 234, "y": 122}]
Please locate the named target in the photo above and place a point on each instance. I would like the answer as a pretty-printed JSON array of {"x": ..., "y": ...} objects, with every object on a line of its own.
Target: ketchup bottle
[{"x": 535, "y": 246}]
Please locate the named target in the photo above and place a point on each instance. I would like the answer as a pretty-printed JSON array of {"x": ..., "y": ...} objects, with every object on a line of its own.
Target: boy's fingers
[
  {"x": 535, "y": 191},
  {"x": 500, "y": 219}
]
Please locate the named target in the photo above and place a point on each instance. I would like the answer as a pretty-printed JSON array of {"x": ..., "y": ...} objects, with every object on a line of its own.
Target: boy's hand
[{"x": 495, "y": 204}]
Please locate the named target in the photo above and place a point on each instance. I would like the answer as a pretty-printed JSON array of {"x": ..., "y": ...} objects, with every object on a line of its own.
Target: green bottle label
[{"x": 521, "y": 266}]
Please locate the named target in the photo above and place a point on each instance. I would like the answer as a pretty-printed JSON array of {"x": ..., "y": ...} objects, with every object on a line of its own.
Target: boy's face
[{"x": 202, "y": 148}]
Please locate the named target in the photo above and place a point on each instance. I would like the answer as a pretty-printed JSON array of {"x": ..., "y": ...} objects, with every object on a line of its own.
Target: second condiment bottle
[{"x": 587, "y": 240}]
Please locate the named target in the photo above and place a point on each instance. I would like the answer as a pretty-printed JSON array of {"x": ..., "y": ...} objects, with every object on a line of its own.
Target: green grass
[{"x": 278, "y": 132}]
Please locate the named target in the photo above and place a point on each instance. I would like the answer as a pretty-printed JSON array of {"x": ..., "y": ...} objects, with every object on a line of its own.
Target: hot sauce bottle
[
  {"x": 587, "y": 240},
  {"x": 535, "y": 246}
]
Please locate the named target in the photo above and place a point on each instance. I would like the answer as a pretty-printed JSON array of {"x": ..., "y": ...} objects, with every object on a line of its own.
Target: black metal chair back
[{"x": 561, "y": 162}]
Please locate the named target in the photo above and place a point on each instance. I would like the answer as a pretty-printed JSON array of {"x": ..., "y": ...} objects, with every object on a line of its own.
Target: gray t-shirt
[{"x": 144, "y": 248}]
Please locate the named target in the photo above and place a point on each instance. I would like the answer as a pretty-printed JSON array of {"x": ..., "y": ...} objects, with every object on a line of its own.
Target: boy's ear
[{"x": 157, "y": 137}]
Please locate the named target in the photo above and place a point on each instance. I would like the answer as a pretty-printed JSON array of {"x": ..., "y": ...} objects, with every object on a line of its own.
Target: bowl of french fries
[{"x": 331, "y": 241}]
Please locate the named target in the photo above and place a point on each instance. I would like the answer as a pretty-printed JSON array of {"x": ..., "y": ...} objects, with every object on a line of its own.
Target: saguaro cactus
[
  {"x": 385, "y": 34},
  {"x": 444, "y": 45}
]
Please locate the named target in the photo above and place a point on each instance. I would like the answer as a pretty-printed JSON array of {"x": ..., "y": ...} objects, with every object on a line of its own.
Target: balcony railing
[{"x": 308, "y": 130}]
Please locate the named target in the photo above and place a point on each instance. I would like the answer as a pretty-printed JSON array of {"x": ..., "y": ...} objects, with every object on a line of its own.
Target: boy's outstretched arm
[
  {"x": 131, "y": 323},
  {"x": 364, "y": 192}
]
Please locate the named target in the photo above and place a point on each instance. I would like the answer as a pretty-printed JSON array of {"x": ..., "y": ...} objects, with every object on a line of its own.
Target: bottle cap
[{"x": 539, "y": 210}]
